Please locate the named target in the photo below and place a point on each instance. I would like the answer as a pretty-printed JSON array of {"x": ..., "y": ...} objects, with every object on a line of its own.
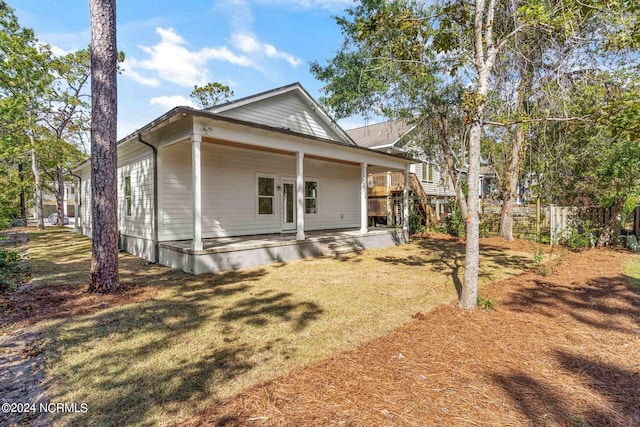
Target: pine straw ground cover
[
  {"x": 560, "y": 350},
  {"x": 171, "y": 343}
]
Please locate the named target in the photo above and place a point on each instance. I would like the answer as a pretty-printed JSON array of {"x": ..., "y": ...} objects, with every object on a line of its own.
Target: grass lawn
[
  {"x": 154, "y": 362},
  {"x": 632, "y": 270}
]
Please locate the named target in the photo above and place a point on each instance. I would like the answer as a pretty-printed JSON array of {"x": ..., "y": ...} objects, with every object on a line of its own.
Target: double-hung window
[
  {"x": 310, "y": 197},
  {"x": 266, "y": 195},
  {"x": 127, "y": 195},
  {"x": 427, "y": 172}
]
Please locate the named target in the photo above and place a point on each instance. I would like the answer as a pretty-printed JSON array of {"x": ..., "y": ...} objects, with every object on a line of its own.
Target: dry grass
[
  {"x": 558, "y": 350},
  {"x": 156, "y": 360}
]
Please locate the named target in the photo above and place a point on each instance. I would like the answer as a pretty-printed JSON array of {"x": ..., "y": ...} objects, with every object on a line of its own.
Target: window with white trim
[
  {"x": 127, "y": 195},
  {"x": 311, "y": 197},
  {"x": 266, "y": 194},
  {"x": 427, "y": 172}
]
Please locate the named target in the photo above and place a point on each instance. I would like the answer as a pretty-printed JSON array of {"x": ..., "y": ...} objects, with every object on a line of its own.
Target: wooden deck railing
[{"x": 383, "y": 184}]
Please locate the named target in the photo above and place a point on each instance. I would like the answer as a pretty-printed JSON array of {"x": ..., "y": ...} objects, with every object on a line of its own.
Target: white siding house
[
  {"x": 395, "y": 137},
  {"x": 273, "y": 164}
]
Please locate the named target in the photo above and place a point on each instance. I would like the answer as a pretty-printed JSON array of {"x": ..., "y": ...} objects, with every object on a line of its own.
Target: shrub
[
  {"x": 10, "y": 271},
  {"x": 454, "y": 222},
  {"x": 415, "y": 224},
  {"x": 485, "y": 303},
  {"x": 579, "y": 236}
]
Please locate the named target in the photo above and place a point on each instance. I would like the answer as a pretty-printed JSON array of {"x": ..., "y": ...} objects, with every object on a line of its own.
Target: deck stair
[{"x": 339, "y": 248}]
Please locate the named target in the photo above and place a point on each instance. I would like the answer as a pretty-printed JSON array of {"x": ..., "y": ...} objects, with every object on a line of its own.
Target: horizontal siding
[
  {"x": 338, "y": 195},
  {"x": 437, "y": 187},
  {"x": 175, "y": 200},
  {"x": 136, "y": 160},
  {"x": 289, "y": 111},
  {"x": 229, "y": 205}
]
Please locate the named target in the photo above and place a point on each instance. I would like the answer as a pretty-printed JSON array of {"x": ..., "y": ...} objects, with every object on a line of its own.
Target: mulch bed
[
  {"x": 29, "y": 304},
  {"x": 560, "y": 350}
]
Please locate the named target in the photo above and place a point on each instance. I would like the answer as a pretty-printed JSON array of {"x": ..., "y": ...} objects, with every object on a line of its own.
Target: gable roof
[
  {"x": 288, "y": 107},
  {"x": 380, "y": 135}
]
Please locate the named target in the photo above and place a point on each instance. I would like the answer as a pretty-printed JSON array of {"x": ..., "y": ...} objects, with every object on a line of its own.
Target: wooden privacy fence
[
  {"x": 527, "y": 222},
  {"x": 564, "y": 218}
]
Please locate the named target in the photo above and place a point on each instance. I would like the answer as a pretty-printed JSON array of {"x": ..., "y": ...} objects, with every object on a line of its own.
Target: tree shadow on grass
[
  {"x": 132, "y": 362},
  {"x": 448, "y": 257},
  {"x": 257, "y": 310}
]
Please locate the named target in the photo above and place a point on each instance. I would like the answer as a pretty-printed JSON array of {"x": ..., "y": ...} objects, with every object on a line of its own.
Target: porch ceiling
[{"x": 372, "y": 168}]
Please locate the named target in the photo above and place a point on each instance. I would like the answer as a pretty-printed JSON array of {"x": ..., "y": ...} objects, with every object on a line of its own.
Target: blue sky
[{"x": 250, "y": 45}]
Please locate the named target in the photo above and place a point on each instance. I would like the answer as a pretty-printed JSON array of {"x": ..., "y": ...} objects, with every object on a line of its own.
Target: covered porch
[{"x": 232, "y": 253}]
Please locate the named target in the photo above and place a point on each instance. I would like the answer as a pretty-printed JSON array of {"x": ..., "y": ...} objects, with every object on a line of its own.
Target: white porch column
[
  {"x": 196, "y": 178},
  {"x": 300, "y": 196},
  {"x": 364, "y": 204},
  {"x": 65, "y": 208},
  {"x": 405, "y": 199},
  {"x": 76, "y": 213}
]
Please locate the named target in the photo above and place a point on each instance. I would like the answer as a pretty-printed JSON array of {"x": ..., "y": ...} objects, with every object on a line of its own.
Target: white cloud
[
  {"x": 58, "y": 51},
  {"x": 237, "y": 12},
  {"x": 127, "y": 70},
  {"x": 249, "y": 44},
  {"x": 170, "y": 60},
  {"x": 331, "y": 5},
  {"x": 168, "y": 102}
]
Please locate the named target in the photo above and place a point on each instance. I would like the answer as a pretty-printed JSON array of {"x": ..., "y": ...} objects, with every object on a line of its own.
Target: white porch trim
[
  {"x": 300, "y": 195},
  {"x": 196, "y": 176},
  {"x": 364, "y": 203}
]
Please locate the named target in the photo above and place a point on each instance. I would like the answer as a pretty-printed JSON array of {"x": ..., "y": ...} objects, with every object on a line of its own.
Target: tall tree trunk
[
  {"x": 60, "y": 199},
  {"x": 104, "y": 56},
  {"x": 23, "y": 198},
  {"x": 449, "y": 159},
  {"x": 469, "y": 294},
  {"x": 607, "y": 234},
  {"x": 509, "y": 195},
  {"x": 39, "y": 210}
]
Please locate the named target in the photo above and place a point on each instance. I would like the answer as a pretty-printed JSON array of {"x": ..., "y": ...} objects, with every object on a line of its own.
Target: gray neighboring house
[
  {"x": 266, "y": 178},
  {"x": 394, "y": 137}
]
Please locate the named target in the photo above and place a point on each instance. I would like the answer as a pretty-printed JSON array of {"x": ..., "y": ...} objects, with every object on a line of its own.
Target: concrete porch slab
[{"x": 233, "y": 253}]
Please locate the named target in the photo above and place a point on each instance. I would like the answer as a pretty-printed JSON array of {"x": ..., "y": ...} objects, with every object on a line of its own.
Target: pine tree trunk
[
  {"x": 37, "y": 178},
  {"x": 60, "y": 195},
  {"x": 607, "y": 235},
  {"x": 104, "y": 261},
  {"x": 509, "y": 195}
]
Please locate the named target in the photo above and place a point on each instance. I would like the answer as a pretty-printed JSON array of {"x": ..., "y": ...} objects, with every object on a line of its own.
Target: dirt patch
[
  {"x": 558, "y": 350},
  {"x": 29, "y": 305}
]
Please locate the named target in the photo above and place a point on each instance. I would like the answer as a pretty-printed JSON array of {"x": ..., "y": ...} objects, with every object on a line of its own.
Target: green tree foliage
[
  {"x": 43, "y": 114},
  {"x": 599, "y": 158},
  {"x": 25, "y": 81},
  {"x": 213, "y": 93}
]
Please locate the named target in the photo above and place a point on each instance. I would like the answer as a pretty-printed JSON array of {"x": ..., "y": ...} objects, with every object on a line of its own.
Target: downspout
[
  {"x": 156, "y": 247},
  {"x": 79, "y": 193}
]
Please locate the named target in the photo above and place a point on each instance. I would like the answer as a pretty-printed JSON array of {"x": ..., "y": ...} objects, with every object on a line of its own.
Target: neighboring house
[
  {"x": 50, "y": 204},
  {"x": 267, "y": 178},
  {"x": 394, "y": 137}
]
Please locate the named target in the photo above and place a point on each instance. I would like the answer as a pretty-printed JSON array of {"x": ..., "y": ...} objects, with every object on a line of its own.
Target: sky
[{"x": 250, "y": 45}]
